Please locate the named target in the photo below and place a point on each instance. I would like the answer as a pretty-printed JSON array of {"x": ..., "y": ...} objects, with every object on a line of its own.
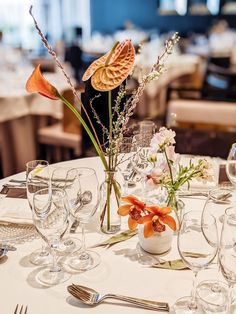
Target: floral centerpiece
[
  {"x": 106, "y": 74},
  {"x": 167, "y": 173},
  {"x": 155, "y": 221}
]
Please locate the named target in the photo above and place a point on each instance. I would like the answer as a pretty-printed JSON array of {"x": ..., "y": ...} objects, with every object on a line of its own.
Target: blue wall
[{"x": 110, "y": 15}]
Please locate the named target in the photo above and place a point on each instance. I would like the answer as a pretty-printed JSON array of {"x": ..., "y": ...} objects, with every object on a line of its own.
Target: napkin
[
  {"x": 14, "y": 192},
  {"x": 177, "y": 264},
  {"x": 15, "y": 211}
]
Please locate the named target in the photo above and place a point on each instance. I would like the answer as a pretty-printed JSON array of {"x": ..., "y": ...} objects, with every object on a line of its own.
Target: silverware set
[{"x": 91, "y": 297}]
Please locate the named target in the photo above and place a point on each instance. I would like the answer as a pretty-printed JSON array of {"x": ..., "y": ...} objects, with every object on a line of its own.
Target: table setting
[{"x": 92, "y": 240}]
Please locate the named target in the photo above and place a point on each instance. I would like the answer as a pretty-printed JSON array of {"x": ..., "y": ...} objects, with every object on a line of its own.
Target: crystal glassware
[
  {"x": 85, "y": 209},
  {"x": 214, "y": 292},
  {"x": 37, "y": 178},
  {"x": 140, "y": 159},
  {"x": 50, "y": 214},
  {"x": 125, "y": 165},
  {"x": 67, "y": 179},
  {"x": 197, "y": 246},
  {"x": 231, "y": 165},
  {"x": 227, "y": 252}
]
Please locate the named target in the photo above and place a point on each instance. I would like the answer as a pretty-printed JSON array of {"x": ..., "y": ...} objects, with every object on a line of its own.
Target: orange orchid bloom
[
  {"x": 156, "y": 220},
  {"x": 37, "y": 83},
  {"x": 109, "y": 71},
  {"x": 134, "y": 209}
]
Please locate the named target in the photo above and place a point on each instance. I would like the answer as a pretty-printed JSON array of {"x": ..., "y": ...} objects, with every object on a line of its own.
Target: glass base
[
  {"x": 51, "y": 278},
  {"x": 183, "y": 306},
  {"x": 40, "y": 258},
  {"x": 113, "y": 229},
  {"x": 213, "y": 296},
  {"x": 84, "y": 260},
  {"x": 69, "y": 245}
]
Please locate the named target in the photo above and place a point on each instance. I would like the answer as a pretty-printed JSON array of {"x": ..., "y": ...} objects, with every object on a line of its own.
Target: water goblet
[
  {"x": 67, "y": 179},
  {"x": 140, "y": 160},
  {"x": 126, "y": 151},
  {"x": 227, "y": 252},
  {"x": 85, "y": 259},
  {"x": 37, "y": 178},
  {"x": 50, "y": 215},
  {"x": 214, "y": 292},
  {"x": 231, "y": 165},
  {"x": 197, "y": 246}
]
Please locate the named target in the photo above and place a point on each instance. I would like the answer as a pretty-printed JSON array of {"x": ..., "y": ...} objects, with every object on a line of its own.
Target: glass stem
[
  {"x": 44, "y": 251},
  {"x": 231, "y": 288},
  {"x": 193, "y": 304},
  {"x": 55, "y": 267},
  {"x": 83, "y": 245}
]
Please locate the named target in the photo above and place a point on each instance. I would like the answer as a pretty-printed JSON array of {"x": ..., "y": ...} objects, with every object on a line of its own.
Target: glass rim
[
  {"x": 229, "y": 209},
  {"x": 37, "y": 160},
  {"x": 200, "y": 216},
  {"x": 91, "y": 170}
]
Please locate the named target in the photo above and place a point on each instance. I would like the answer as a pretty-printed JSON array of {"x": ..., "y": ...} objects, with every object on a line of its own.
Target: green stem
[
  {"x": 95, "y": 144},
  {"x": 169, "y": 166}
]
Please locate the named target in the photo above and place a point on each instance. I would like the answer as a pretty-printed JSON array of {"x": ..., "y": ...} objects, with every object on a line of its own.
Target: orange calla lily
[
  {"x": 109, "y": 71},
  {"x": 156, "y": 220},
  {"x": 133, "y": 209},
  {"x": 37, "y": 83}
]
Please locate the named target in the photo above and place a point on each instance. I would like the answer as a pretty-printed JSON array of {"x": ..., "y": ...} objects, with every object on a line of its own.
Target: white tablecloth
[{"x": 123, "y": 269}]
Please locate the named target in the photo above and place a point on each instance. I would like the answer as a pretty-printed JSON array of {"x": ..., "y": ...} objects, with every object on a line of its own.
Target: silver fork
[
  {"x": 21, "y": 310},
  {"x": 92, "y": 297}
]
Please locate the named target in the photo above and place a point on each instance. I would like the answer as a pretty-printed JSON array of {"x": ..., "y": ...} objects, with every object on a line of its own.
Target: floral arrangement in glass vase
[
  {"x": 168, "y": 174},
  {"x": 107, "y": 73}
]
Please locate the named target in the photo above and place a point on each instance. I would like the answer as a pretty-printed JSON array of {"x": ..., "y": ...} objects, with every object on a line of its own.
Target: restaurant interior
[
  {"x": 117, "y": 156},
  {"x": 195, "y": 96}
]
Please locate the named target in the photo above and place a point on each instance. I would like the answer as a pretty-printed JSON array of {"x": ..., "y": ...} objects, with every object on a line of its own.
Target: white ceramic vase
[{"x": 159, "y": 243}]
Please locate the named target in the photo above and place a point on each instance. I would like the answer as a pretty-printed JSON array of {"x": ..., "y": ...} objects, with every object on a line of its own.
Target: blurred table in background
[{"x": 20, "y": 116}]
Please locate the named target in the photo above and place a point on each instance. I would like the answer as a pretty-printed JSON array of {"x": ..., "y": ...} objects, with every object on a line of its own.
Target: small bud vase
[
  {"x": 110, "y": 221},
  {"x": 158, "y": 243}
]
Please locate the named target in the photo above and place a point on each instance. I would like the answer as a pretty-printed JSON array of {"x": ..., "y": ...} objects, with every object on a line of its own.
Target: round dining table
[{"x": 124, "y": 268}]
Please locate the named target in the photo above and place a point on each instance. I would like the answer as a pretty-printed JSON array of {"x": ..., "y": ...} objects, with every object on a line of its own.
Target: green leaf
[
  {"x": 177, "y": 264},
  {"x": 120, "y": 237}
]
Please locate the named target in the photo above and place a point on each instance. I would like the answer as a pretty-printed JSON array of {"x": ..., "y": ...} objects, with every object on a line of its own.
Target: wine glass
[
  {"x": 67, "y": 179},
  {"x": 85, "y": 259},
  {"x": 140, "y": 160},
  {"x": 50, "y": 213},
  {"x": 227, "y": 251},
  {"x": 197, "y": 246},
  {"x": 37, "y": 178},
  {"x": 231, "y": 165},
  {"x": 214, "y": 292},
  {"x": 126, "y": 150}
]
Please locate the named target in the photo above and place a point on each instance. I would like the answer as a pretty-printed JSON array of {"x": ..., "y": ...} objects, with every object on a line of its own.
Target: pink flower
[
  {"x": 162, "y": 139},
  {"x": 155, "y": 177},
  {"x": 172, "y": 155}
]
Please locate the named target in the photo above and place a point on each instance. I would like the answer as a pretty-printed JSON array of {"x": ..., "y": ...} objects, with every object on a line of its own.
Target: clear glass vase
[{"x": 110, "y": 221}]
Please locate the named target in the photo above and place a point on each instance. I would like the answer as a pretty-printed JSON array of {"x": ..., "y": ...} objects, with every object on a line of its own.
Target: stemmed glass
[
  {"x": 89, "y": 191},
  {"x": 231, "y": 165},
  {"x": 67, "y": 179},
  {"x": 214, "y": 292},
  {"x": 50, "y": 213},
  {"x": 227, "y": 252},
  {"x": 197, "y": 245},
  {"x": 140, "y": 160},
  {"x": 126, "y": 168},
  {"x": 37, "y": 178}
]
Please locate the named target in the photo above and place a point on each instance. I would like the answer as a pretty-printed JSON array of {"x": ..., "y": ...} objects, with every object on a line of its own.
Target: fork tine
[
  {"x": 15, "y": 312},
  {"x": 21, "y": 309},
  {"x": 26, "y": 309}
]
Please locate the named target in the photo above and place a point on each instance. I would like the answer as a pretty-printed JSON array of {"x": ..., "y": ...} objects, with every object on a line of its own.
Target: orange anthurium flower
[
  {"x": 109, "y": 71},
  {"x": 133, "y": 209},
  {"x": 36, "y": 83},
  {"x": 156, "y": 220}
]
